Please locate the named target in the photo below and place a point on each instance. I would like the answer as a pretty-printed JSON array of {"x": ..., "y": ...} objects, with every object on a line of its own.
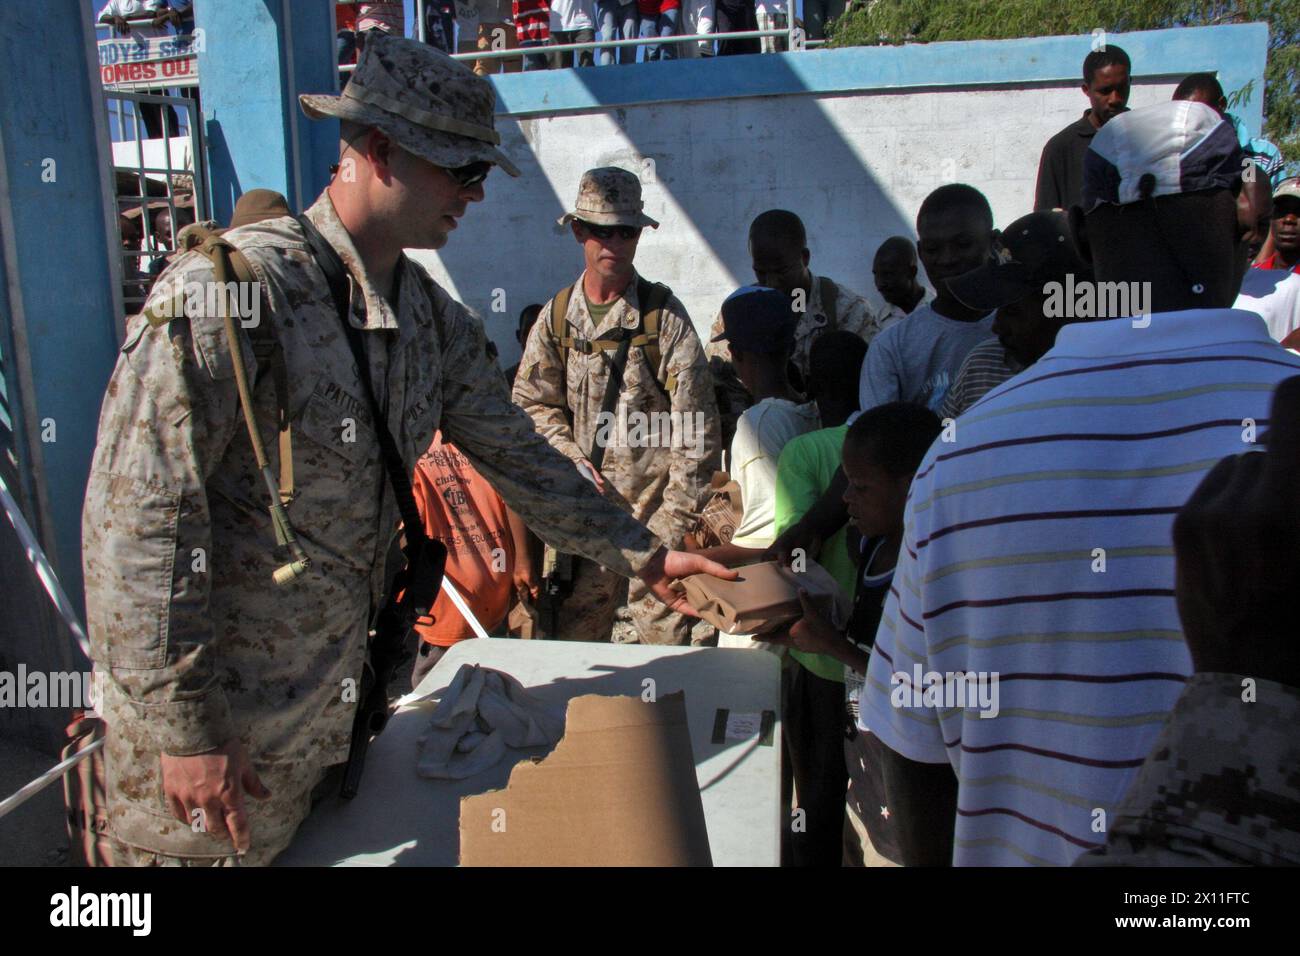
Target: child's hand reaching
[{"x": 812, "y": 633}]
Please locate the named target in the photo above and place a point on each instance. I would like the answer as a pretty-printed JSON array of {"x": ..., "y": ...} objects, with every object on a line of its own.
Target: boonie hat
[
  {"x": 609, "y": 196},
  {"x": 433, "y": 106}
]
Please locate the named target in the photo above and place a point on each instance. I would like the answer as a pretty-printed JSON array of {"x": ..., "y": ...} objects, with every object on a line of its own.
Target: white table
[{"x": 401, "y": 819}]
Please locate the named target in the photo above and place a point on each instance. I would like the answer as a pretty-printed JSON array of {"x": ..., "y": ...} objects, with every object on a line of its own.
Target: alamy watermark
[
  {"x": 974, "y": 690},
  {"x": 1086, "y": 299},
  {"x": 64, "y": 690},
  {"x": 631, "y": 429},
  {"x": 127, "y": 910},
  {"x": 243, "y": 301}
]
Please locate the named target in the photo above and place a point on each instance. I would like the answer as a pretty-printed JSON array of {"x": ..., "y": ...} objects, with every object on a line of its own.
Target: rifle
[
  {"x": 557, "y": 584},
  {"x": 411, "y": 597},
  {"x": 416, "y": 586}
]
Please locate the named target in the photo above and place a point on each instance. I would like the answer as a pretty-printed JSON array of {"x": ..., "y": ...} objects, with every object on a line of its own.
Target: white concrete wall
[{"x": 855, "y": 168}]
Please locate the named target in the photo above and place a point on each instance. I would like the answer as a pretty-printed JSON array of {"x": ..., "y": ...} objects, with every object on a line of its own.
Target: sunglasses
[
  {"x": 470, "y": 175},
  {"x": 608, "y": 232}
]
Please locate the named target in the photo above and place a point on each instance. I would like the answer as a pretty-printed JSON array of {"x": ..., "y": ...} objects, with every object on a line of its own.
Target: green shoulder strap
[{"x": 830, "y": 298}]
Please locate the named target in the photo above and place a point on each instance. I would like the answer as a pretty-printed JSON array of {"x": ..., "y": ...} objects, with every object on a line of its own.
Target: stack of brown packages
[{"x": 765, "y": 597}]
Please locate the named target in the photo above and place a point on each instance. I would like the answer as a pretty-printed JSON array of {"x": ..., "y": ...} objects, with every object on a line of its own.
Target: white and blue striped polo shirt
[{"x": 1078, "y": 464}]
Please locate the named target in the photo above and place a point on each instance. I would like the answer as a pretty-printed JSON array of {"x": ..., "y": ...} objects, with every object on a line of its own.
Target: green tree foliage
[{"x": 877, "y": 22}]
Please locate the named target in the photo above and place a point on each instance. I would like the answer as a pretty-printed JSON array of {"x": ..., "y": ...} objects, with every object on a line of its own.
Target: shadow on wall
[{"x": 707, "y": 166}]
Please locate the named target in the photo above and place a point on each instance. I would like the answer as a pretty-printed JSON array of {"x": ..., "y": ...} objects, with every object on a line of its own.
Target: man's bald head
[
  {"x": 1203, "y": 88},
  {"x": 894, "y": 271},
  {"x": 896, "y": 250},
  {"x": 781, "y": 227},
  {"x": 778, "y": 249}
]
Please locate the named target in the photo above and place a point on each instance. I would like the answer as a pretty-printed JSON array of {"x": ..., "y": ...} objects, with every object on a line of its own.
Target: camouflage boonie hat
[
  {"x": 427, "y": 102},
  {"x": 609, "y": 196}
]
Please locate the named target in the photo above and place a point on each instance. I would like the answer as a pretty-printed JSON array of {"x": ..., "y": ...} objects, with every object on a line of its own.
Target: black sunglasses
[
  {"x": 608, "y": 232},
  {"x": 470, "y": 175}
]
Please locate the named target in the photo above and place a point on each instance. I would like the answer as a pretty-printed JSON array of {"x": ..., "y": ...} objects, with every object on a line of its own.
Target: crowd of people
[
  {"x": 468, "y": 26},
  {"x": 1024, "y": 469}
]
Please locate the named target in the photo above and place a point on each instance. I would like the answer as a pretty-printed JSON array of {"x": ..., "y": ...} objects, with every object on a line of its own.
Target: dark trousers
[
  {"x": 733, "y": 16},
  {"x": 440, "y": 25},
  {"x": 812, "y": 732},
  {"x": 585, "y": 57},
  {"x": 817, "y": 12},
  {"x": 535, "y": 61},
  {"x": 426, "y": 656}
]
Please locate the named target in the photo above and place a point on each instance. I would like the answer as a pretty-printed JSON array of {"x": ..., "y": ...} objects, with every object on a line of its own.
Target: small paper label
[{"x": 744, "y": 726}]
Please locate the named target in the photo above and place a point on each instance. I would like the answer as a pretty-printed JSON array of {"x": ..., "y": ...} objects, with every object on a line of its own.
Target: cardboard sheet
[
  {"x": 765, "y": 597},
  {"x": 618, "y": 790}
]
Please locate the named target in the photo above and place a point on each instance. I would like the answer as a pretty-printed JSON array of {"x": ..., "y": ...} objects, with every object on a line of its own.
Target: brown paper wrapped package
[
  {"x": 764, "y": 597},
  {"x": 716, "y": 523}
]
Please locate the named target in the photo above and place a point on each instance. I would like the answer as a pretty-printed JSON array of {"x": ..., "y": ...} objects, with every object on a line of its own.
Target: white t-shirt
[
  {"x": 761, "y": 433},
  {"x": 136, "y": 8},
  {"x": 573, "y": 15},
  {"x": 1273, "y": 294},
  {"x": 917, "y": 360}
]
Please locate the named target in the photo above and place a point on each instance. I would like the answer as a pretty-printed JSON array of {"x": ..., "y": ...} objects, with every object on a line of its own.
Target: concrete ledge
[{"x": 1238, "y": 52}]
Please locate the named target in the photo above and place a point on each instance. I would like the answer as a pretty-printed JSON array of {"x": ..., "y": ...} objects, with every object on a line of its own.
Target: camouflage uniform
[
  {"x": 1219, "y": 786},
  {"x": 853, "y": 313},
  {"x": 178, "y": 547},
  {"x": 659, "y": 486}
]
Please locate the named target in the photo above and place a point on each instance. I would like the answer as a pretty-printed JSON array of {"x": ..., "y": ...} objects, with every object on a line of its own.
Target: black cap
[
  {"x": 758, "y": 319},
  {"x": 1032, "y": 251}
]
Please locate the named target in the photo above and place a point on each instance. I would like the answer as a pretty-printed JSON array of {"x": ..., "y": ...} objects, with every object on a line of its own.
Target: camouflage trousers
[
  {"x": 143, "y": 832},
  {"x": 588, "y": 613}
]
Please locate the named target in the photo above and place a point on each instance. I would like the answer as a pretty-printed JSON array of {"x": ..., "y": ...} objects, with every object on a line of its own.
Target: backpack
[
  {"x": 652, "y": 296},
  {"x": 230, "y": 265}
]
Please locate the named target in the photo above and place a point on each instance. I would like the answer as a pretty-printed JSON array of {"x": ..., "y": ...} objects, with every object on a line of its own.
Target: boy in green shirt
[{"x": 813, "y": 684}]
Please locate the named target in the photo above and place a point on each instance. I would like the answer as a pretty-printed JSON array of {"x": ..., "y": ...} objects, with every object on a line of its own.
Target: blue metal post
[
  {"x": 256, "y": 56},
  {"x": 61, "y": 295}
]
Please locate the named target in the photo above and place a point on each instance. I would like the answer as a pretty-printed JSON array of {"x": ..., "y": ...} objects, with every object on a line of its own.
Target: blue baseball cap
[
  {"x": 1170, "y": 148},
  {"x": 758, "y": 319}
]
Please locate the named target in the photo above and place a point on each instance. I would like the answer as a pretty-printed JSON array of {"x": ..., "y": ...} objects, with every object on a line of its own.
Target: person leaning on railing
[
  {"x": 533, "y": 28},
  {"x": 574, "y": 21},
  {"x": 659, "y": 18}
]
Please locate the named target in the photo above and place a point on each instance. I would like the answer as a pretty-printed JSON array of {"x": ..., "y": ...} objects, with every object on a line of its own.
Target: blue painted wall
[
  {"x": 258, "y": 55},
  {"x": 59, "y": 249}
]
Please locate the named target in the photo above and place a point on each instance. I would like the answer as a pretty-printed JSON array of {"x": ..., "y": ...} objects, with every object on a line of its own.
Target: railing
[{"x": 795, "y": 40}]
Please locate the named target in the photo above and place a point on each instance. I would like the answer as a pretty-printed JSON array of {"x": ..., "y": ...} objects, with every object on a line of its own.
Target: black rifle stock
[{"x": 414, "y": 591}]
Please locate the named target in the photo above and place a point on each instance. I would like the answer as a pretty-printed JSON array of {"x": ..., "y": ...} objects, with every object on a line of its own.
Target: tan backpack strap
[
  {"x": 269, "y": 355},
  {"x": 653, "y": 296},
  {"x": 830, "y": 299},
  {"x": 227, "y": 265},
  {"x": 560, "y": 332},
  {"x": 559, "y": 316}
]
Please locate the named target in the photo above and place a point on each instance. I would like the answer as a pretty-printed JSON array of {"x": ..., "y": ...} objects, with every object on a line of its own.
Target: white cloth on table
[{"x": 481, "y": 713}]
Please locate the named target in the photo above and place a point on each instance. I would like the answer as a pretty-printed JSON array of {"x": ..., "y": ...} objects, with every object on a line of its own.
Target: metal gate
[{"x": 158, "y": 169}]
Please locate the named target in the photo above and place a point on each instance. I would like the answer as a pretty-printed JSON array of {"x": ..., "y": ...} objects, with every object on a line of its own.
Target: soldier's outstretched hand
[
  {"x": 207, "y": 790},
  {"x": 667, "y": 566}
]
